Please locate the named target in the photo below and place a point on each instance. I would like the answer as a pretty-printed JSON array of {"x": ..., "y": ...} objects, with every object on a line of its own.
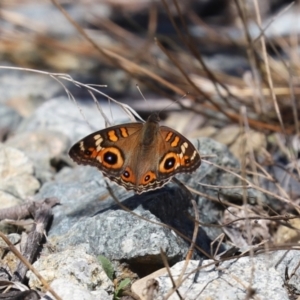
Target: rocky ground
[
  {"x": 65, "y": 219},
  {"x": 88, "y": 223}
]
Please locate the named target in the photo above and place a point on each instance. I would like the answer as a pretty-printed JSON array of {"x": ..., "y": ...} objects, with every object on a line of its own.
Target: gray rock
[
  {"x": 171, "y": 206},
  {"x": 8, "y": 200},
  {"x": 82, "y": 193},
  {"x": 119, "y": 235},
  {"x": 68, "y": 290},
  {"x": 9, "y": 120},
  {"x": 14, "y": 238},
  {"x": 16, "y": 174},
  {"x": 41, "y": 146},
  {"x": 210, "y": 211},
  {"x": 25, "y": 91},
  {"x": 64, "y": 116},
  {"x": 60, "y": 27},
  {"x": 231, "y": 279},
  {"x": 284, "y": 176},
  {"x": 287, "y": 263},
  {"x": 73, "y": 265}
]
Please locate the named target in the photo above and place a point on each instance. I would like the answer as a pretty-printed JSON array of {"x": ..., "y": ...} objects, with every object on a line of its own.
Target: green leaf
[
  {"x": 107, "y": 266},
  {"x": 122, "y": 285}
]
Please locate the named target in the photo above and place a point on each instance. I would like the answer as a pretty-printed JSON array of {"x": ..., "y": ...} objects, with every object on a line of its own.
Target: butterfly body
[{"x": 138, "y": 156}]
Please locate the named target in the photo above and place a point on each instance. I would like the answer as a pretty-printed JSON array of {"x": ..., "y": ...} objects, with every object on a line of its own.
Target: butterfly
[{"x": 138, "y": 156}]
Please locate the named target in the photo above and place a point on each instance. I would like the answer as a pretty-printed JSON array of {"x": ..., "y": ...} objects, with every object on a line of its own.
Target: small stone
[
  {"x": 9, "y": 120},
  {"x": 288, "y": 234},
  {"x": 41, "y": 146},
  {"x": 16, "y": 173},
  {"x": 73, "y": 265},
  {"x": 69, "y": 290},
  {"x": 228, "y": 280}
]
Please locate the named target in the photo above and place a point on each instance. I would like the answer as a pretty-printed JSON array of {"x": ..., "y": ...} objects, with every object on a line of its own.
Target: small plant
[
  {"x": 107, "y": 266},
  {"x": 109, "y": 270},
  {"x": 120, "y": 288}
]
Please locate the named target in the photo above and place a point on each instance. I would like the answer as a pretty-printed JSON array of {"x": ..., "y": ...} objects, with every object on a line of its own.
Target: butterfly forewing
[{"x": 96, "y": 148}]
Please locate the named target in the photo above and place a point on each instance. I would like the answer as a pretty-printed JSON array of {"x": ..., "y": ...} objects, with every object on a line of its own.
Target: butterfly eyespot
[
  {"x": 126, "y": 174},
  {"x": 187, "y": 161},
  {"x": 110, "y": 158},
  {"x": 147, "y": 178},
  {"x": 87, "y": 152},
  {"x": 169, "y": 163}
]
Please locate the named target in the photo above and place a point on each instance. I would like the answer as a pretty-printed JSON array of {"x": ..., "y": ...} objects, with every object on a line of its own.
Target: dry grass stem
[{"x": 29, "y": 265}]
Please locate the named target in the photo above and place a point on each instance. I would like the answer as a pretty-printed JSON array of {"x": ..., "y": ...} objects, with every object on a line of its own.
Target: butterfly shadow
[{"x": 173, "y": 207}]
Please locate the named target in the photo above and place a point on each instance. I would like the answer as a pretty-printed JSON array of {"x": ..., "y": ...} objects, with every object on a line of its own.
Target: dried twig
[{"x": 28, "y": 265}]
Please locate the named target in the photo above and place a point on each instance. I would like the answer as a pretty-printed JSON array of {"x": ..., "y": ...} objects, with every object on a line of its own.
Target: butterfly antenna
[
  {"x": 176, "y": 101},
  {"x": 138, "y": 88}
]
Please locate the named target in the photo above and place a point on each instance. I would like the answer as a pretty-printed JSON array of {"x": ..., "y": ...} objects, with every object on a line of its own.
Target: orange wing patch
[
  {"x": 176, "y": 141},
  {"x": 112, "y": 136},
  {"x": 169, "y": 136},
  {"x": 124, "y": 132}
]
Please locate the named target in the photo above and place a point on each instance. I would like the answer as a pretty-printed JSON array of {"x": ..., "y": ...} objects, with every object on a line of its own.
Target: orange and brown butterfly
[{"x": 138, "y": 156}]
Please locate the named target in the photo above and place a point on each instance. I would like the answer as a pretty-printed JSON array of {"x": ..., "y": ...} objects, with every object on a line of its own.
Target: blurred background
[
  {"x": 210, "y": 52},
  {"x": 225, "y": 66}
]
